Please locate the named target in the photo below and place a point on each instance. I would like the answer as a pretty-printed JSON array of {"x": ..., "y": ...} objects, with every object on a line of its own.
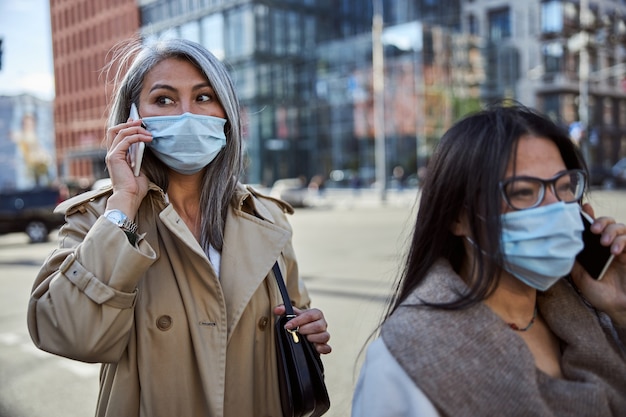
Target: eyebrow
[{"x": 169, "y": 87}]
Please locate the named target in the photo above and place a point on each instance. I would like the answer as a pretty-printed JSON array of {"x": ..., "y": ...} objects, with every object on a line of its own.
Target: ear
[{"x": 460, "y": 227}]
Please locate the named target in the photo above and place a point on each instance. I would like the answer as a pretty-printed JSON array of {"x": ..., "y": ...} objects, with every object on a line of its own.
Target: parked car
[
  {"x": 31, "y": 211},
  {"x": 614, "y": 177},
  {"x": 618, "y": 172},
  {"x": 292, "y": 190},
  {"x": 598, "y": 176}
]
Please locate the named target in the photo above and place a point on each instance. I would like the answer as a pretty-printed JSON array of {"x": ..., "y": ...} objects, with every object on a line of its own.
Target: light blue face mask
[
  {"x": 187, "y": 142},
  {"x": 540, "y": 244}
]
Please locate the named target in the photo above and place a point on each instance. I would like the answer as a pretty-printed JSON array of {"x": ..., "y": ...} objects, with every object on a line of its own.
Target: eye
[
  {"x": 565, "y": 189},
  {"x": 205, "y": 97},
  {"x": 521, "y": 190},
  {"x": 163, "y": 100}
]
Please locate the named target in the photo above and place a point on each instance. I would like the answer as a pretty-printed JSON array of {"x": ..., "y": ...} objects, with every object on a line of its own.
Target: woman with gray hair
[{"x": 164, "y": 277}]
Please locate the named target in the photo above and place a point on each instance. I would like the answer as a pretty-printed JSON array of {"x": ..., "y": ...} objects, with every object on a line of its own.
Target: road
[{"x": 349, "y": 250}]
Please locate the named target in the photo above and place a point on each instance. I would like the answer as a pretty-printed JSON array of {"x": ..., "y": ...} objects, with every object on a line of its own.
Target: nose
[
  {"x": 185, "y": 108},
  {"x": 549, "y": 196}
]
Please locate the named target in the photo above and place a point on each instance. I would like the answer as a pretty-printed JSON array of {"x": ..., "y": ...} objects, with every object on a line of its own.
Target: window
[
  {"x": 239, "y": 28},
  {"x": 212, "y": 34},
  {"x": 552, "y": 106},
  {"x": 472, "y": 24},
  {"x": 551, "y": 17},
  {"x": 262, "y": 28},
  {"x": 499, "y": 24},
  {"x": 278, "y": 32},
  {"x": 293, "y": 33},
  {"x": 552, "y": 57},
  {"x": 244, "y": 81},
  {"x": 264, "y": 82},
  {"x": 191, "y": 31}
]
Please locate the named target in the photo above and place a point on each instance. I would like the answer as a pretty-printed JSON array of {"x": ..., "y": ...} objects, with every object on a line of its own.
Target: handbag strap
[{"x": 283, "y": 290}]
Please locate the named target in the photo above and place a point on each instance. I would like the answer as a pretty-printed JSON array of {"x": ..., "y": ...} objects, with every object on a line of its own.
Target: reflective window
[
  {"x": 278, "y": 32},
  {"x": 499, "y": 24},
  {"x": 262, "y": 28},
  {"x": 244, "y": 81},
  {"x": 309, "y": 32},
  {"x": 169, "y": 33},
  {"x": 239, "y": 29},
  {"x": 553, "y": 57},
  {"x": 293, "y": 33},
  {"x": 472, "y": 24},
  {"x": 552, "y": 16},
  {"x": 264, "y": 86},
  {"x": 190, "y": 31},
  {"x": 213, "y": 34}
]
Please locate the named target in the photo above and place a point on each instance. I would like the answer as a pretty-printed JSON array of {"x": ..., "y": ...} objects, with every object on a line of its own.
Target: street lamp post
[
  {"x": 378, "y": 84},
  {"x": 583, "y": 79}
]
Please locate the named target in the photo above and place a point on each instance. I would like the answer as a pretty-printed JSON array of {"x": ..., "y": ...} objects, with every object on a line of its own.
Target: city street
[{"x": 350, "y": 251}]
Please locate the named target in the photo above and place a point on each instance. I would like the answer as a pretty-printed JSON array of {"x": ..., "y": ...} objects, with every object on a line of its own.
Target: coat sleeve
[
  {"x": 385, "y": 390},
  {"x": 81, "y": 304}
]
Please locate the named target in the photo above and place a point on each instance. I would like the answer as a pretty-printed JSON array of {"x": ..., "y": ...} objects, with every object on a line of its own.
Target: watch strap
[
  {"x": 121, "y": 220},
  {"x": 129, "y": 226}
]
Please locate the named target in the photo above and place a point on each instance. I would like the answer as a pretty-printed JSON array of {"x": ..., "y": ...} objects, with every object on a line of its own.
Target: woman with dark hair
[
  {"x": 492, "y": 316},
  {"x": 164, "y": 277}
]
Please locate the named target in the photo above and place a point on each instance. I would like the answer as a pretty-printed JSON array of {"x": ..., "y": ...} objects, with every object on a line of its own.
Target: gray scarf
[{"x": 470, "y": 363}]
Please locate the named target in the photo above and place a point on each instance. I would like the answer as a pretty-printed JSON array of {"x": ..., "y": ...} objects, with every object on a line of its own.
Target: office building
[
  {"x": 304, "y": 73},
  {"x": 564, "y": 57},
  {"x": 83, "y": 33}
]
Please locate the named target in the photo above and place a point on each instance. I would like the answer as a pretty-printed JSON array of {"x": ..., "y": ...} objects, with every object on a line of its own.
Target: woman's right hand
[{"x": 128, "y": 190}]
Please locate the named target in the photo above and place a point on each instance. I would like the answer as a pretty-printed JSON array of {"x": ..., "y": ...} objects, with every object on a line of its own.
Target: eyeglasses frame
[{"x": 545, "y": 183}]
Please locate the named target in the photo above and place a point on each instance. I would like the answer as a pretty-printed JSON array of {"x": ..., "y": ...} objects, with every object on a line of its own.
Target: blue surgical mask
[
  {"x": 540, "y": 244},
  {"x": 187, "y": 142}
]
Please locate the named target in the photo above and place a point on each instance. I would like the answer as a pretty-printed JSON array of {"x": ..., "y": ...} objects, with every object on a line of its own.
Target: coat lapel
[{"x": 251, "y": 246}]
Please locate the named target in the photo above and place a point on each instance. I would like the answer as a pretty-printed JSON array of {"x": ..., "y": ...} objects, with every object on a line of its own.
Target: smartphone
[
  {"x": 136, "y": 149},
  {"x": 594, "y": 257}
]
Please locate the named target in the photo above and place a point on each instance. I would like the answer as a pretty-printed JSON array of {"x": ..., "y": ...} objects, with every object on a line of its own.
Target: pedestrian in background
[
  {"x": 164, "y": 277},
  {"x": 492, "y": 315}
]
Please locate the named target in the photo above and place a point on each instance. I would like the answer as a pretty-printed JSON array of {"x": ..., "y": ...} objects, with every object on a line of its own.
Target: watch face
[{"x": 116, "y": 217}]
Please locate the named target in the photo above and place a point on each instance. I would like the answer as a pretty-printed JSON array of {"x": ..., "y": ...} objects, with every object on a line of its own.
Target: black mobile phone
[{"x": 594, "y": 257}]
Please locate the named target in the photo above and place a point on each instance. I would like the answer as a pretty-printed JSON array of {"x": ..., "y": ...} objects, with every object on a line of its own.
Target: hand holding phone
[
  {"x": 136, "y": 149},
  {"x": 594, "y": 258}
]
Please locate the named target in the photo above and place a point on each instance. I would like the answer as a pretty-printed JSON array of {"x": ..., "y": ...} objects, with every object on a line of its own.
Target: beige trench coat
[{"x": 174, "y": 339}]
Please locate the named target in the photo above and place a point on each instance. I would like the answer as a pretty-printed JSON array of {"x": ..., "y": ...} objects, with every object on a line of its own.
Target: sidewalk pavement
[{"x": 347, "y": 198}]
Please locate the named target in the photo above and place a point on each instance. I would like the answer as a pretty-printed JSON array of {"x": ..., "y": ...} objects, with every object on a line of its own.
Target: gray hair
[{"x": 221, "y": 175}]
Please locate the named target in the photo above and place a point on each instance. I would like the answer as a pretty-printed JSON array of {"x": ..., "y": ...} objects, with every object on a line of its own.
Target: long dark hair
[{"x": 463, "y": 180}]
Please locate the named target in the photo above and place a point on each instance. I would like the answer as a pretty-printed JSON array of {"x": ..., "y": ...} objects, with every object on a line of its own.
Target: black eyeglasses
[{"x": 527, "y": 192}]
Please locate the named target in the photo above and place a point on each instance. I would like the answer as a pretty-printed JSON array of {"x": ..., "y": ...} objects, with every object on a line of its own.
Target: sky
[{"x": 27, "y": 48}]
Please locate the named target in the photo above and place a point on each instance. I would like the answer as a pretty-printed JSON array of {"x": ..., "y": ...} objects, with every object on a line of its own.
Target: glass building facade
[{"x": 303, "y": 71}]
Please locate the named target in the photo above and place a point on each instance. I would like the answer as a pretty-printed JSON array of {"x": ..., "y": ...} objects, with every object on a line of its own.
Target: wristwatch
[{"x": 118, "y": 218}]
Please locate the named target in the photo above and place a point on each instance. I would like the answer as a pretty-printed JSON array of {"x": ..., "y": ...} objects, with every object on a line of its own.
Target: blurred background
[
  {"x": 334, "y": 94},
  {"x": 343, "y": 102}
]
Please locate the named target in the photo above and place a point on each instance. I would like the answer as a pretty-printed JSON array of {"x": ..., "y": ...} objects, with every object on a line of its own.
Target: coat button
[
  {"x": 263, "y": 321},
  {"x": 164, "y": 323}
]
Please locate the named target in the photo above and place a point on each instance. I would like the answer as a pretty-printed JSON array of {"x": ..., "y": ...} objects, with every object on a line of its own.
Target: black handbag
[{"x": 300, "y": 370}]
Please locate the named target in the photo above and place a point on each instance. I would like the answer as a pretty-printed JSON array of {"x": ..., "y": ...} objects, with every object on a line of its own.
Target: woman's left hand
[
  {"x": 311, "y": 323},
  {"x": 609, "y": 293}
]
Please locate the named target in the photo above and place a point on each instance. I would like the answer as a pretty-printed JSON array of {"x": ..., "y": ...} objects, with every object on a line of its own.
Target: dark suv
[{"x": 30, "y": 211}]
